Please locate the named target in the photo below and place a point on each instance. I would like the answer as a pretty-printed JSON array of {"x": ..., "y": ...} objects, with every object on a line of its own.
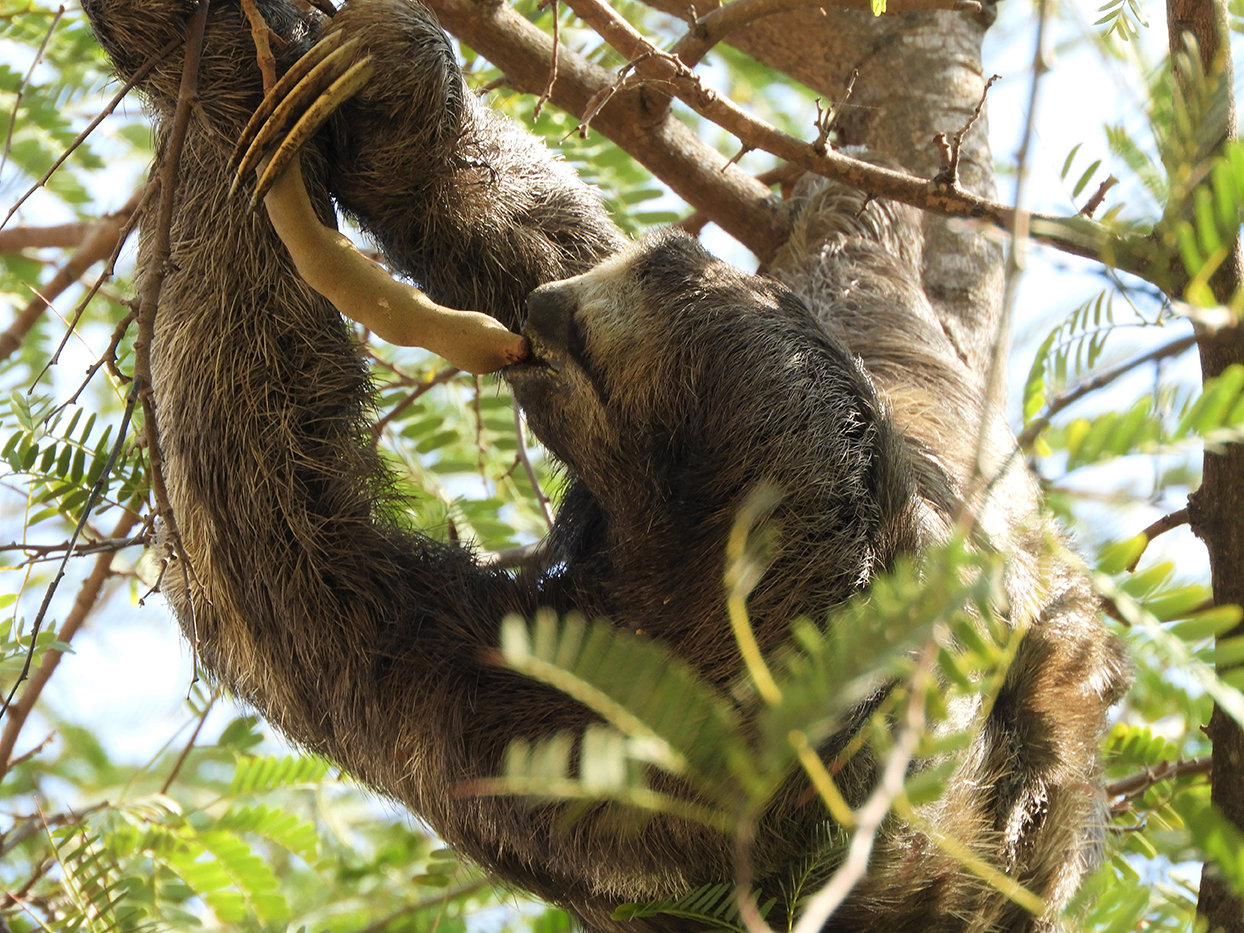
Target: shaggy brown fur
[{"x": 671, "y": 386}]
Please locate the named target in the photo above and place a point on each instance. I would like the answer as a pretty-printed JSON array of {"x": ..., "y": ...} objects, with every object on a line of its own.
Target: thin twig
[
  {"x": 141, "y": 73},
  {"x": 39, "y": 552},
  {"x": 1161, "y": 526},
  {"x": 1075, "y": 235},
  {"x": 951, "y": 146},
  {"x": 92, "y": 498},
  {"x": 129, "y": 216},
  {"x": 31, "y": 753},
  {"x": 108, "y": 358},
  {"x": 185, "y": 751},
  {"x": 263, "y": 50},
  {"x": 993, "y": 400},
  {"x": 87, "y": 598},
  {"x": 1134, "y": 785},
  {"x": 784, "y": 174},
  {"x": 428, "y": 902},
  {"x": 548, "y": 88},
  {"x": 442, "y": 377},
  {"x": 520, "y": 436},
  {"x": 17, "y": 101},
  {"x": 153, "y": 283},
  {"x": 1091, "y": 205},
  {"x": 1102, "y": 379},
  {"x": 104, "y": 239}
]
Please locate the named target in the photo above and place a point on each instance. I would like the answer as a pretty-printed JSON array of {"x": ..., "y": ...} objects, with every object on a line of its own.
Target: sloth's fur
[{"x": 678, "y": 385}]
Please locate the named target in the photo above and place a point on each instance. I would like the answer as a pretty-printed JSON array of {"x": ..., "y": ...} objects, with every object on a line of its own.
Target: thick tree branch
[
  {"x": 61, "y": 236},
  {"x": 103, "y": 238},
  {"x": 695, "y": 171},
  {"x": 1075, "y": 235}
]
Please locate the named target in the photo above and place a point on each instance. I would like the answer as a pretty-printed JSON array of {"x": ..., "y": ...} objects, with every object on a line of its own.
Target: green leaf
[
  {"x": 657, "y": 700},
  {"x": 260, "y": 773},
  {"x": 713, "y": 906}
]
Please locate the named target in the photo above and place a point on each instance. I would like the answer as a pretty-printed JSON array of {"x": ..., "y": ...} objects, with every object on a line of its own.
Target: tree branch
[
  {"x": 714, "y": 26},
  {"x": 61, "y": 236},
  {"x": 1076, "y": 235},
  {"x": 87, "y": 598},
  {"x": 1216, "y": 509},
  {"x": 138, "y": 75},
  {"x": 1103, "y": 378},
  {"x": 695, "y": 171},
  {"x": 104, "y": 237},
  {"x": 21, "y": 90},
  {"x": 40, "y": 552},
  {"x": 153, "y": 283},
  {"x": 1134, "y": 785},
  {"x": 1160, "y": 527}
]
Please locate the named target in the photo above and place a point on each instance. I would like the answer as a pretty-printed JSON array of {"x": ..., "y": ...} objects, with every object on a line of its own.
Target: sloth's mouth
[
  {"x": 542, "y": 357},
  {"x": 534, "y": 364}
]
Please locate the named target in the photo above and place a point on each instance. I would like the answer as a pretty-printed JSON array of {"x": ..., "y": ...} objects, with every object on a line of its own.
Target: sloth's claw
[
  {"x": 298, "y": 71},
  {"x": 297, "y": 106},
  {"x": 341, "y": 90}
]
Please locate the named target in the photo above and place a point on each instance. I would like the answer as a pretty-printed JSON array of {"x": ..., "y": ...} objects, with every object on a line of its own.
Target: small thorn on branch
[
  {"x": 950, "y": 147},
  {"x": 734, "y": 159},
  {"x": 1091, "y": 205}
]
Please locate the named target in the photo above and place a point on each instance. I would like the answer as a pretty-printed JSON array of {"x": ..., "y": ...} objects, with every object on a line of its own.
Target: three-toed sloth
[{"x": 671, "y": 386}]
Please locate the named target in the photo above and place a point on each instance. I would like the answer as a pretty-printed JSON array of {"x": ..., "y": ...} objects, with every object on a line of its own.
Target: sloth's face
[
  {"x": 663, "y": 359},
  {"x": 601, "y": 374}
]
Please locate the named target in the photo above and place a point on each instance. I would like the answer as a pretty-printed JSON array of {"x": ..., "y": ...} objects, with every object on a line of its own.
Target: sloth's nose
[{"x": 550, "y": 314}]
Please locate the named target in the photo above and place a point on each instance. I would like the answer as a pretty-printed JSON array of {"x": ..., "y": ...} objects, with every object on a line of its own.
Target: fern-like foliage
[
  {"x": 1123, "y": 18},
  {"x": 712, "y": 906},
  {"x": 1071, "y": 348},
  {"x": 62, "y": 460}
]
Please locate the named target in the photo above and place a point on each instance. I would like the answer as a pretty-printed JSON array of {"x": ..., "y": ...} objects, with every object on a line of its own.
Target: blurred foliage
[{"x": 222, "y": 828}]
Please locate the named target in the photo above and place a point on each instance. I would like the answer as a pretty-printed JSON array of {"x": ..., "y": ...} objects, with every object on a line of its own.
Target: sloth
[{"x": 671, "y": 386}]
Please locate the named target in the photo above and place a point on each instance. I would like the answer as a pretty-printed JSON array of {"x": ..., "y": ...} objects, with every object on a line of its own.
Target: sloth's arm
[{"x": 364, "y": 292}]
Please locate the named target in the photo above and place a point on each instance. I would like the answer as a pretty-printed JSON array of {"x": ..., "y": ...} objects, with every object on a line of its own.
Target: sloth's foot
[{"x": 307, "y": 95}]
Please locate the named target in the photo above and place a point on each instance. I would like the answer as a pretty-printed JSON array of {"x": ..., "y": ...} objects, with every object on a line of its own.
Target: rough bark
[{"x": 1216, "y": 509}]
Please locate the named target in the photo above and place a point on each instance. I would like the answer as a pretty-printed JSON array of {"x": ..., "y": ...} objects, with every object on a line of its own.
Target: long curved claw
[
  {"x": 320, "y": 82},
  {"x": 337, "y": 93},
  {"x": 299, "y": 70}
]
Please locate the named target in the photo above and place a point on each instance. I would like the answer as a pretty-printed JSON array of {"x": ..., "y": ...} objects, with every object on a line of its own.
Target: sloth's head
[{"x": 665, "y": 363}]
